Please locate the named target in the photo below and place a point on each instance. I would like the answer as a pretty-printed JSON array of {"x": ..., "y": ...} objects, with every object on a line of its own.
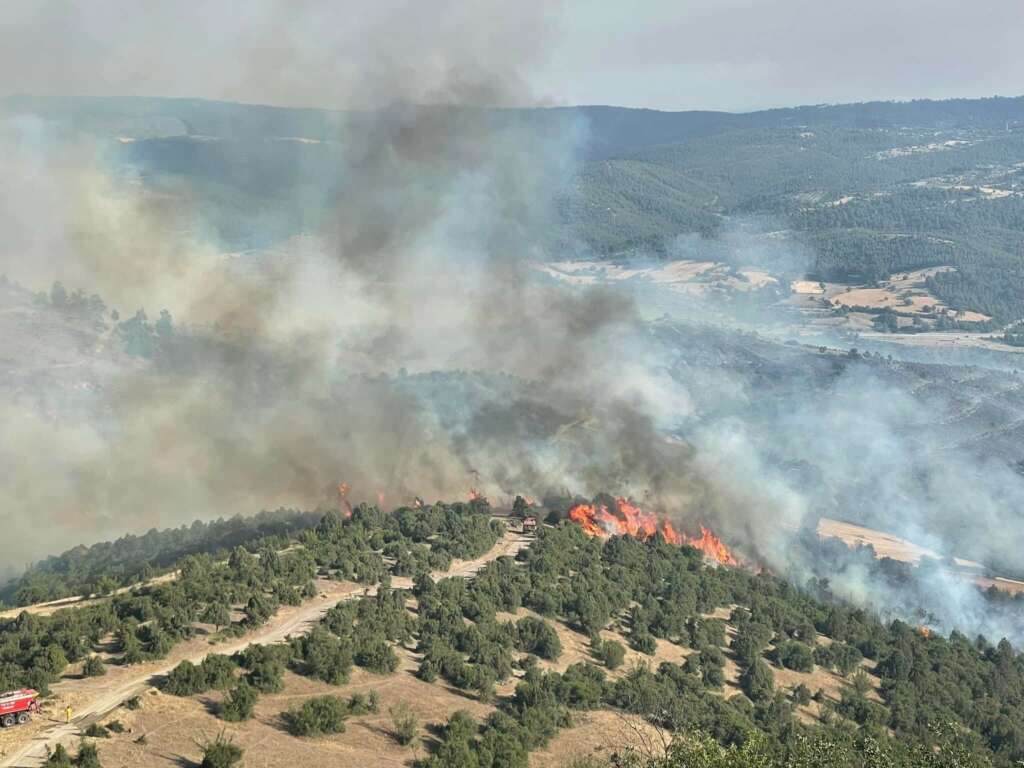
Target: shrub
[
  {"x": 794, "y": 655},
  {"x": 88, "y": 756},
  {"x": 239, "y": 703},
  {"x": 94, "y": 667},
  {"x": 757, "y": 682},
  {"x": 157, "y": 643},
  {"x": 705, "y": 632},
  {"x": 267, "y": 675},
  {"x": 713, "y": 676},
  {"x": 643, "y": 642},
  {"x": 611, "y": 653},
  {"x": 503, "y": 737},
  {"x": 115, "y": 726},
  {"x": 802, "y": 695},
  {"x": 711, "y": 660},
  {"x": 186, "y": 679},
  {"x": 325, "y": 656},
  {"x": 373, "y": 701},
  {"x": 751, "y": 639},
  {"x": 59, "y": 758},
  {"x": 458, "y": 746},
  {"x": 258, "y": 610},
  {"x": 861, "y": 683},
  {"x": 317, "y": 716},
  {"x": 135, "y": 702},
  {"x": 428, "y": 671},
  {"x": 846, "y": 658},
  {"x": 404, "y": 723},
  {"x": 217, "y": 614},
  {"x": 377, "y": 656},
  {"x": 538, "y": 637},
  {"x": 97, "y": 731},
  {"x": 361, "y": 704},
  {"x": 131, "y": 648},
  {"x": 222, "y": 752},
  {"x": 218, "y": 672}
]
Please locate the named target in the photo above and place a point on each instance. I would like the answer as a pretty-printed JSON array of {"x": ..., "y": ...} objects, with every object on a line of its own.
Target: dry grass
[
  {"x": 92, "y": 698},
  {"x": 1012, "y": 586},
  {"x": 808, "y": 287},
  {"x": 576, "y": 647},
  {"x": 598, "y": 734},
  {"x": 885, "y": 544},
  {"x": 904, "y": 292},
  {"x": 896, "y": 548},
  {"x": 686, "y": 276},
  {"x": 172, "y": 725}
]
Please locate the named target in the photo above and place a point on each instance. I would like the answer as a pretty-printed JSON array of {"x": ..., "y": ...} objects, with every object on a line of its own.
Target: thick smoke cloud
[
  {"x": 340, "y": 355},
  {"x": 271, "y": 389}
]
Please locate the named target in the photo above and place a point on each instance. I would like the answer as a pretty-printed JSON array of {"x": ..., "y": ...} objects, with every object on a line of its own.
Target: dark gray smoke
[
  {"x": 405, "y": 343},
  {"x": 281, "y": 377}
]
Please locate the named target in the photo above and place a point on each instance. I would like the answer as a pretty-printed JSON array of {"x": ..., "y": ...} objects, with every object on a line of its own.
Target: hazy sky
[
  {"x": 666, "y": 54},
  {"x": 743, "y": 54}
]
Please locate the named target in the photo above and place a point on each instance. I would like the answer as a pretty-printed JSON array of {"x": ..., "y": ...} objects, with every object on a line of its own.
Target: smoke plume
[{"x": 404, "y": 343}]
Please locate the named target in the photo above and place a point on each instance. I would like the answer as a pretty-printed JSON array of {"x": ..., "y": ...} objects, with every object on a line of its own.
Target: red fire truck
[{"x": 17, "y": 707}]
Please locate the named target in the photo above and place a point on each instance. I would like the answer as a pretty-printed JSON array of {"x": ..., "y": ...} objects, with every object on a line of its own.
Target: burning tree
[{"x": 620, "y": 517}]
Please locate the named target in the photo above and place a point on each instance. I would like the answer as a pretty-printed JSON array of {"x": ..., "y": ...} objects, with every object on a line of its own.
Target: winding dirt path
[
  {"x": 80, "y": 601},
  {"x": 96, "y": 697}
]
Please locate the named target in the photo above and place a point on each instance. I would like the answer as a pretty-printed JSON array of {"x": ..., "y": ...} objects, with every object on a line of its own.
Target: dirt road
[
  {"x": 79, "y": 601},
  {"x": 98, "y": 696}
]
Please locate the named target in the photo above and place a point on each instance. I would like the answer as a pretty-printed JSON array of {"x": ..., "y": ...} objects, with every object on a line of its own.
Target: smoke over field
[{"x": 404, "y": 342}]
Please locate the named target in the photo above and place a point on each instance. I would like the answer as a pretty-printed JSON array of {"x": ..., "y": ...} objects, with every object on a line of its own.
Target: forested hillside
[
  {"x": 866, "y": 200},
  {"x": 112, "y": 564},
  {"x": 756, "y": 650}
]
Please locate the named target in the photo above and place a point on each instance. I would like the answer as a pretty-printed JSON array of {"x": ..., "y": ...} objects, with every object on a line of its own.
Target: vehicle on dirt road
[{"x": 17, "y": 707}]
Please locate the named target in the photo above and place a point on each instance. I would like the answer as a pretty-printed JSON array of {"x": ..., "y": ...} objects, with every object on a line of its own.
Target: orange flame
[
  {"x": 713, "y": 547},
  {"x": 474, "y": 495},
  {"x": 671, "y": 535},
  {"x": 343, "y": 489},
  {"x": 630, "y": 520},
  {"x": 925, "y": 632},
  {"x": 586, "y": 516}
]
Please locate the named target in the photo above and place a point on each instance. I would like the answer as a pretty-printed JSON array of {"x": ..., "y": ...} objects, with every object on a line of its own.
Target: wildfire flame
[
  {"x": 629, "y": 520},
  {"x": 713, "y": 547},
  {"x": 344, "y": 503},
  {"x": 474, "y": 494}
]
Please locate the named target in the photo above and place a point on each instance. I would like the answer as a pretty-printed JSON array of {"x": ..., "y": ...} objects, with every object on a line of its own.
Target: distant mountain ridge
[
  {"x": 613, "y": 130},
  {"x": 867, "y": 190}
]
